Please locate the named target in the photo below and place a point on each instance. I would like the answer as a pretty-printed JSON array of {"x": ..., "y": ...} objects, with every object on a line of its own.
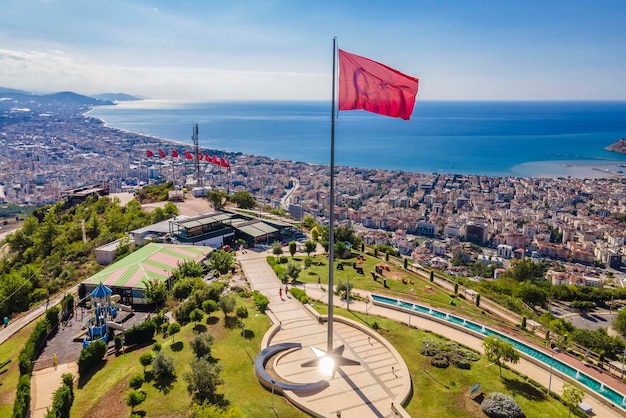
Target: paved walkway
[
  {"x": 43, "y": 385},
  {"x": 369, "y": 389},
  {"x": 297, "y": 327}
]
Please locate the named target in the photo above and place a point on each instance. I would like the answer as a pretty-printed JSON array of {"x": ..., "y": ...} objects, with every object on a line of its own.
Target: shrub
[
  {"x": 260, "y": 300},
  {"x": 299, "y": 294},
  {"x": 470, "y": 355},
  {"x": 498, "y": 405},
  {"x": 283, "y": 259},
  {"x": 35, "y": 340},
  {"x": 52, "y": 316},
  {"x": 118, "y": 342},
  {"x": 209, "y": 306},
  {"x": 22, "y": 397},
  {"x": 140, "y": 333},
  {"x": 440, "y": 361},
  {"x": 136, "y": 381},
  {"x": 459, "y": 361},
  {"x": 61, "y": 403},
  {"x": 91, "y": 355},
  {"x": 156, "y": 347},
  {"x": 146, "y": 359},
  {"x": 429, "y": 350},
  {"x": 134, "y": 398}
]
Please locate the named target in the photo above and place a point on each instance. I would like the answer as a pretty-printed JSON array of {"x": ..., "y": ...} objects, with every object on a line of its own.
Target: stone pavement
[
  {"x": 299, "y": 326},
  {"x": 43, "y": 385},
  {"x": 374, "y": 388}
]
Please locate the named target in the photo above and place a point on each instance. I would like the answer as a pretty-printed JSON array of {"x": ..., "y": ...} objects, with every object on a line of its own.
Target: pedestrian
[
  {"x": 55, "y": 361},
  {"x": 280, "y": 292},
  {"x": 319, "y": 281},
  {"x": 286, "y": 290}
]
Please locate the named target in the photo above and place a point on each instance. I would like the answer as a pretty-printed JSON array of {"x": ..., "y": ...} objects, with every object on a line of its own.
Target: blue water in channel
[{"x": 581, "y": 377}]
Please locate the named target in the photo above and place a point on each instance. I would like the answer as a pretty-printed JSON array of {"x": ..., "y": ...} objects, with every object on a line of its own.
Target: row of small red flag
[{"x": 189, "y": 156}]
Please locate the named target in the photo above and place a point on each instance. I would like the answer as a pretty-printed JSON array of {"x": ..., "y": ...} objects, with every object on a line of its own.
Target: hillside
[{"x": 619, "y": 146}]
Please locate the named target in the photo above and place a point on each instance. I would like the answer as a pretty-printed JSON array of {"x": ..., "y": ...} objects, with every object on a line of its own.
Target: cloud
[{"x": 55, "y": 70}]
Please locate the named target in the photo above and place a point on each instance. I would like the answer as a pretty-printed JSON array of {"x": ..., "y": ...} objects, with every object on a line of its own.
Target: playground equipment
[{"x": 104, "y": 310}]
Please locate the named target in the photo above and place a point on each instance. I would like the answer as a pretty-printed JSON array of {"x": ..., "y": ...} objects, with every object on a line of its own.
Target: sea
[{"x": 522, "y": 139}]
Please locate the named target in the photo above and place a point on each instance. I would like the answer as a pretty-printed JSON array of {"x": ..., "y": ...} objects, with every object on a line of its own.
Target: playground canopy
[{"x": 101, "y": 291}]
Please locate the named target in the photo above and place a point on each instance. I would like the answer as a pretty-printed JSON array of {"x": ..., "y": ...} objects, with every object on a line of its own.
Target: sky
[{"x": 207, "y": 50}]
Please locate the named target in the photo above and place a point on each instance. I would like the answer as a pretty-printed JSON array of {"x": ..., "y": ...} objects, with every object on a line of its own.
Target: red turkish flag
[
  {"x": 161, "y": 153},
  {"x": 200, "y": 157},
  {"x": 224, "y": 163},
  {"x": 174, "y": 153},
  {"x": 149, "y": 153},
  {"x": 188, "y": 155},
  {"x": 215, "y": 160},
  {"x": 374, "y": 87}
]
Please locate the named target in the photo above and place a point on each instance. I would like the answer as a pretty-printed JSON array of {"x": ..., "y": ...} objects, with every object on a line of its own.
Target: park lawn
[
  {"x": 444, "y": 393},
  {"x": 10, "y": 349},
  {"x": 424, "y": 292},
  {"x": 105, "y": 393}
]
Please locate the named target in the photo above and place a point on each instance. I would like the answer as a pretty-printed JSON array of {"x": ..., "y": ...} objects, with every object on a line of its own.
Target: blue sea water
[{"x": 524, "y": 139}]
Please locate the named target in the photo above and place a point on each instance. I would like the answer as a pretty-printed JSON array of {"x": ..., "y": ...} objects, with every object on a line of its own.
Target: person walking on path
[
  {"x": 280, "y": 292},
  {"x": 319, "y": 281}
]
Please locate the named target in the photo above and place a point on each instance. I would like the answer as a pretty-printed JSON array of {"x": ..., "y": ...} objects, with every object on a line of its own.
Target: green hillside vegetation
[{"x": 55, "y": 247}]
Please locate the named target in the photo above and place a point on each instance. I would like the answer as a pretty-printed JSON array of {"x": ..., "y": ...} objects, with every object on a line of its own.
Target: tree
[
  {"x": 187, "y": 269},
  {"x": 173, "y": 328},
  {"x": 163, "y": 366},
  {"x": 134, "y": 398},
  {"x": 209, "y": 306},
  {"x": 170, "y": 209},
  {"x": 201, "y": 344},
  {"x": 221, "y": 261},
  {"x": 315, "y": 233},
  {"x": 227, "y": 304},
  {"x": 277, "y": 248},
  {"x": 498, "y": 350},
  {"x": 216, "y": 198},
  {"x": 215, "y": 411},
  {"x": 309, "y": 247},
  {"x": 292, "y": 248},
  {"x": 309, "y": 222},
  {"x": 155, "y": 292},
  {"x": 196, "y": 315},
  {"x": 203, "y": 378},
  {"x": 293, "y": 271},
  {"x": 620, "y": 323},
  {"x": 242, "y": 313},
  {"x": 243, "y": 199},
  {"x": 146, "y": 359},
  {"x": 572, "y": 395},
  {"x": 432, "y": 276}
]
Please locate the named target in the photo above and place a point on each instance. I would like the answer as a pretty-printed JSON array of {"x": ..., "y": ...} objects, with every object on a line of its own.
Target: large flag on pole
[
  {"x": 375, "y": 87},
  {"x": 162, "y": 153},
  {"x": 149, "y": 153}
]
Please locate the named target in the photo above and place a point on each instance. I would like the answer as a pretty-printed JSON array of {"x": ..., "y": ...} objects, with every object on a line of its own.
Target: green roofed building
[{"x": 154, "y": 261}]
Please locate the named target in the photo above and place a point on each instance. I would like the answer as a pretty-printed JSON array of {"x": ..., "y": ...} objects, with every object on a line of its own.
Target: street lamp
[
  {"x": 623, "y": 360},
  {"x": 410, "y": 307},
  {"x": 555, "y": 350},
  {"x": 367, "y": 303},
  {"x": 273, "y": 383}
]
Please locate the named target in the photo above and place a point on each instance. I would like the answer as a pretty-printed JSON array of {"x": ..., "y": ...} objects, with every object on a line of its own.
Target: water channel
[{"x": 599, "y": 388}]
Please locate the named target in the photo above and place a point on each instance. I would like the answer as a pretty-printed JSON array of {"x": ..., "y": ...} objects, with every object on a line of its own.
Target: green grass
[
  {"x": 10, "y": 349},
  {"x": 109, "y": 386},
  {"x": 424, "y": 291},
  {"x": 444, "y": 393}
]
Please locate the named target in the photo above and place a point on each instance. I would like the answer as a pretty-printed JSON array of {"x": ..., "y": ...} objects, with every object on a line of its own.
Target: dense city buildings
[{"x": 50, "y": 148}]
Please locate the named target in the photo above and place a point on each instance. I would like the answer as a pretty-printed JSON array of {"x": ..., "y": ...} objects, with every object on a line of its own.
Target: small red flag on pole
[
  {"x": 149, "y": 153},
  {"x": 174, "y": 154},
  {"x": 161, "y": 153},
  {"x": 375, "y": 87},
  {"x": 188, "y": 155}
]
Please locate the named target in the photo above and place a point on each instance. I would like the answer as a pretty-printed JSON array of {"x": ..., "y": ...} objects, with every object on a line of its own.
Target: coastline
[{"x": 579, "y": 167}]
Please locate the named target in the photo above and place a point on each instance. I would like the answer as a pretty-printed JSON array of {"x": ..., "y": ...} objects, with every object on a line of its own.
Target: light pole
[
  {"x": 367, "y": 303},
  {"x": 273, "y": 382},
  {"x": 623, "y": 359},
  {"x": 554, "y": 351},
  {"x": 410, "y": 307}
]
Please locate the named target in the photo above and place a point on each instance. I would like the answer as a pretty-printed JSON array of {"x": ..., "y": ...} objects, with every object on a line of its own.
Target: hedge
[
  {"x": 140, "y": 333},
  {"x": 22, "y": 397},
  {"x": 91, "y": 355}
]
